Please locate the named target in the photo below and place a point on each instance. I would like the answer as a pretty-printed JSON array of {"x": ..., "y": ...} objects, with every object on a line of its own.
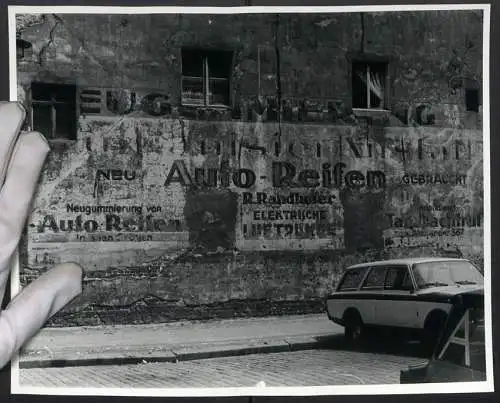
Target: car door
[
  {"x": 370, "y": 294},
  {"x": 346, "y": 293},
  {"x": 396, "y": 306}
]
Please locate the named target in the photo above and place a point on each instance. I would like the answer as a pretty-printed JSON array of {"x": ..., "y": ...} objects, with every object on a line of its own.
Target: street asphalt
[
  {"x": 322, "y": 367},
  {"x": 306, "y": 350}
]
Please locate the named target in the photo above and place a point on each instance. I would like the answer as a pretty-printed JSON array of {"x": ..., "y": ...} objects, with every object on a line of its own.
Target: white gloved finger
[
  {"x": 21, "y": 179},
  {"x": 12, "y": 116},
  {"x": 33, "y": 306}
]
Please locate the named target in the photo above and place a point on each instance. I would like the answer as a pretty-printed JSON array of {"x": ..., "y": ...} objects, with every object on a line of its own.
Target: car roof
[{"x": 406, "y": 261}]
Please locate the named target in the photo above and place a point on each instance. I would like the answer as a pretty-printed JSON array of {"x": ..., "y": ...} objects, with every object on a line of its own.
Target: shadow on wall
[
  {"x": 211, "y": 219},
  {"x": 364, "y": 220}
]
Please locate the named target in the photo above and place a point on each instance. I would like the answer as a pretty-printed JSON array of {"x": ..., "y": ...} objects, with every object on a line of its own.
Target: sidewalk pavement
[{"x": 173, "y": 342}]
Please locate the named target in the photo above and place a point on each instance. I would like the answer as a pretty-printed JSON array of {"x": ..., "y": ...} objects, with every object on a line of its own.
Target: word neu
[{"x": 115, "y": 175}]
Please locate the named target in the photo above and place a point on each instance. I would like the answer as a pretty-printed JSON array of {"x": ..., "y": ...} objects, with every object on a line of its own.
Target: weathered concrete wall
[
  {"x": 145, "y": 219},
  {"x": 183, "y": 178},
  {"x": 182, "y": 213}
]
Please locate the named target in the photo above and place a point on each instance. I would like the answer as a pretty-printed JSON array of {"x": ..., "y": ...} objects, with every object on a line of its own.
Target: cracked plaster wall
[
  {"x": 314, "y": 59},
  {"x": 314, "y": 51}
]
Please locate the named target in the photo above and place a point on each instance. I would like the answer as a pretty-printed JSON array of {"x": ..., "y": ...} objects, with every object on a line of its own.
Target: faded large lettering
[{"x": 284, "y": 175}]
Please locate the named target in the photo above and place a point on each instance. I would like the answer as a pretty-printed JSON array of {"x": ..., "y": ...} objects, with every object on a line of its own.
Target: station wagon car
[
  {"x": 460, "y": 354},
  {"x": 412, "y": 294}
]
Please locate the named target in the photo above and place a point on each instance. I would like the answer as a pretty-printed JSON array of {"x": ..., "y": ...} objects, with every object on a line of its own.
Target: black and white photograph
[{"x": 262, "y": 200}]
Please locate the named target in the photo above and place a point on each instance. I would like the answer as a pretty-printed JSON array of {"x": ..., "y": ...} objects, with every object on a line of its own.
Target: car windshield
[
  {"x": 466, "y": 345},
  {"x": 444, "y": 273}
]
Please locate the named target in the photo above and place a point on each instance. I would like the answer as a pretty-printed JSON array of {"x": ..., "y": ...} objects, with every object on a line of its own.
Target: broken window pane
[
  {"x": 219, "y": 64},
  {"x": 192, "y": 91},
  {"x": 192, "y": 63},
  {"x": 359, "y": 94},
  {"x": 219, "y": 92}
]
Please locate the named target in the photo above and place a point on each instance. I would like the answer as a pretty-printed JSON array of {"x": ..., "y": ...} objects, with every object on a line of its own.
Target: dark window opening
[
  {"x": 369, "y": 85},
  {"x": 205, "y": 77},
  {"x": 54, "y": 110},
  {"x": 472, "y": 101}
]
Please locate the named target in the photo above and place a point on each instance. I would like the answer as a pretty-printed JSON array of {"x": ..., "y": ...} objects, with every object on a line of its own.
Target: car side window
[
  {"x": 375, "y": 279},
  {"x": 352, "y": 278},
  {"x": 398, "y": 278}
]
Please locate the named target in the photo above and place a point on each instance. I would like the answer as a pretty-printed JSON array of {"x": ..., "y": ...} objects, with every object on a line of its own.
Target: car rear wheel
[{"x": 353, "y": 329}]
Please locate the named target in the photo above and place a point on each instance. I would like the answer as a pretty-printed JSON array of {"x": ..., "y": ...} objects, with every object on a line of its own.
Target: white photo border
[{"x": 381, "y": 389}]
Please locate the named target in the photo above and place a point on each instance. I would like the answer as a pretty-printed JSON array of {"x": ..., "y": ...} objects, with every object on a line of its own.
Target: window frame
[
  {"x": 354, "y": 58},
  {"x": 53, "y": 103},
  {"x": 206, "y": 78}
]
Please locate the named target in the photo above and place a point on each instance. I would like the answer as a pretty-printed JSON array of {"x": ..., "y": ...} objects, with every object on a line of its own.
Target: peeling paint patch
[
  {"x": 325, "y": 23},
  {"x": 211, "y": 217},
  {"x": 47, "y": 45}
]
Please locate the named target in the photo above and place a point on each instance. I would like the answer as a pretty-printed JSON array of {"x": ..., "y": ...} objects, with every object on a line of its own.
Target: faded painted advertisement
[
  {"x": 133, "y": 189},
  {"x": 435, "y": 192}
]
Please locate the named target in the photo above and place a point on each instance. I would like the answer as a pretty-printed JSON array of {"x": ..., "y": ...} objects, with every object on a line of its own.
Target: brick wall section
[{"x": 199, "y": 288}]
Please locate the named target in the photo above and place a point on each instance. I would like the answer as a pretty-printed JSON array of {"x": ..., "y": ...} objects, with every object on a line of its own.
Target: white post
[
  {"x": 467, "y": 338},
  {"x": 207, "y": 81},
  {"x": 368, "y": 86}
]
